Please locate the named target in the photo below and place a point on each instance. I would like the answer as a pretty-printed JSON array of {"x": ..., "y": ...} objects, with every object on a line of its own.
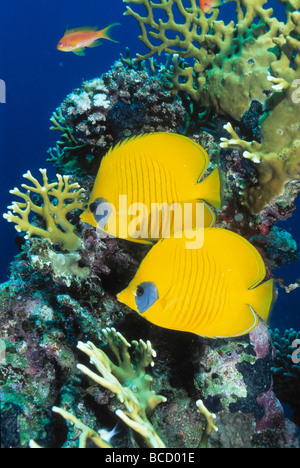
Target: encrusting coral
[
  {"x": 256, "y": 58},
  {"x": 57, "y": 200},
  {"x": 277, "y": 157},
  {"x": 286, "y": 369}
]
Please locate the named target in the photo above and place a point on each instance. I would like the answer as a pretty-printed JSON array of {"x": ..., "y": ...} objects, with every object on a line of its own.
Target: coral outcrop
[
  {"x": 229, "y": 61},
  {"x": 120, "y": 104},
  {"x": 44, "y": 313},
  {"x": 132, "y": 386},
  {"x": 286, "y": 369},
  {"x": 56, "y": 297},
  {"x": 255, "y": 58}
]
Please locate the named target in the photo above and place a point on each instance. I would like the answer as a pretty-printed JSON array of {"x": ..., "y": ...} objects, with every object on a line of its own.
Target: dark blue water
[{"x": 38, "y": 77}]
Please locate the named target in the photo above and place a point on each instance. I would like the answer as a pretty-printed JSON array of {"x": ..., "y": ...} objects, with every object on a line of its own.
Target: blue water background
[{"x": 38, "y": 78}]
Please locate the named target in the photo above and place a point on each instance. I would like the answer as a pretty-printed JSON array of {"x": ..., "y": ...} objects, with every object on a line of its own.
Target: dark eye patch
[
  {"x": 101, "y": 210},
  {"x": 146, "y": 296},
  {"x": 93, "y": 207}
]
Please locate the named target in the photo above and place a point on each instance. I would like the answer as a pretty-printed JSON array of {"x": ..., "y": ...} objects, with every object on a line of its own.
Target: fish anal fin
[
  {"x": 261, "y": 299},
  {"x": 242, "y": 321},
  {"x": 79, "y": 51}
]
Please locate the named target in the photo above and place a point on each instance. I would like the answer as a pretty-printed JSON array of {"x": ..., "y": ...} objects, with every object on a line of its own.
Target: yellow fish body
[
  {"x": 213, "y": 291},
  {"x": 152, "y": 170}
]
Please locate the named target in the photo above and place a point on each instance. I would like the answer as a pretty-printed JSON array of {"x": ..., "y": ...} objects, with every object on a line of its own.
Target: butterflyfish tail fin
[
  {"x": 262, "y": 298},
  {"x": 210, "y": 189},
  {"x": 105, "y": 33}
]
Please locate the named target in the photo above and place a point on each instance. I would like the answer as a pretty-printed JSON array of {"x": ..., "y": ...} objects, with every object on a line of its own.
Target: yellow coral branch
[
  {"x": 248, "y": 148},
  {"x": 57, "y": 200},
  {"x": 86, "y": 432},
  {"x": 210, "y": 425},
  {"x": 128, "y": 381}
]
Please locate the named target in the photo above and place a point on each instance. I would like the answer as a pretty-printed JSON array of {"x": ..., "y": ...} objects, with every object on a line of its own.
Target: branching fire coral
[
  {"x": 52, "y": 202},
  {"x": 229, "y": 61},
  {"x": 131, "y": 384},
  {"x": 128, "y": 381},
  {"x": 255, "y": 58}
]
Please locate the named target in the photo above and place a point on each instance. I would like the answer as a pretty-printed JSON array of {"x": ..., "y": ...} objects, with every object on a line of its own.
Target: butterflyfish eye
[
  {"x": 146, "y": 295},
  {"x": 140, "y": 290},
  {"x": 93, "y": 207},
  {"x": 101, "y": 210}
]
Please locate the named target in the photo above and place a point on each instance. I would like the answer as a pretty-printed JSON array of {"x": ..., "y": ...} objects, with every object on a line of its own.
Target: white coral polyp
[{"x": 100, "y": 100}]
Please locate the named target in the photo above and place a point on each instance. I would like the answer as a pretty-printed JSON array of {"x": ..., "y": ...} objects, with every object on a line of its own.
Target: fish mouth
[
  {"x": 63, "y": 47},
  {"x": 127, "y": 297},
  {"x": 88, "y": 218}
]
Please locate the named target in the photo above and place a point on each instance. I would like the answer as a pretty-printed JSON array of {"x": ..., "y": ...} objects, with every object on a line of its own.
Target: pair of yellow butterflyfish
[{"x": 213, "y": 290}]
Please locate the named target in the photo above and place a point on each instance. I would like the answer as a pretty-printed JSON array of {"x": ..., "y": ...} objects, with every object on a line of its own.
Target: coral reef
[
  {"x": 57, "y": 296},
  {"x": 122, "y": 103},
  {"x": 230, "y": 62},
  {"x": 129, "y": 382},
  {"x": 132, "y": 386},
  {"x": 230, "y": 388},
  {"x": 86, "y": 433},
  {"x": 44, "y": 314},
  {"x": 254, "y": 59},
  {"x": 286, "y": 370},
  {"x": 56, "y": 201}
]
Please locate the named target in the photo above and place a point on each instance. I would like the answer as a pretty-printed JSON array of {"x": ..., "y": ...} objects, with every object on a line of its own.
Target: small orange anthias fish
[
  {"x": 76, "y": 40},
  {"x": 207, "y": 5}
]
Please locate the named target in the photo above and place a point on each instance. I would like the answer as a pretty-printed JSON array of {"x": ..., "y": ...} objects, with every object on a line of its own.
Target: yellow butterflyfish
[
  {"x": 214, "y": 291},
  {"x": 145, "y": 184}
]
